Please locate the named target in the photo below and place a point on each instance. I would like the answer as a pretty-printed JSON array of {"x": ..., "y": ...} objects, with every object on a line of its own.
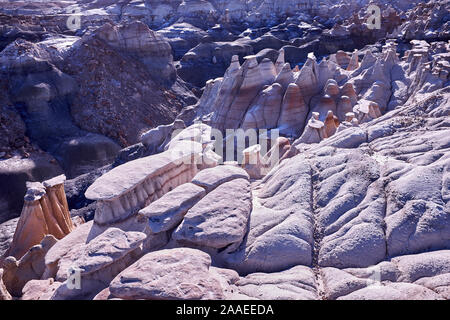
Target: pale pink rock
[
  {"x": 331, "y": 123},
  {"x": 168, "y": 211},
  {"x": 393, "y": 291},
  {"x": 172, "y": 274},
  {"x": 250, "y": 88},
  {"x": 297, "y": 283},
  {"x": 293, "y": 112},
  {"x": 31, "y": 266},
  {"x": 285, "y": 76},
  {"x": 265, "y": 112},
  {"x": 344, "y": 106},
  {"x": 40, "y": 289},
  {"x": 354, "y": 62},
  {"x": 218, "y": 220}
]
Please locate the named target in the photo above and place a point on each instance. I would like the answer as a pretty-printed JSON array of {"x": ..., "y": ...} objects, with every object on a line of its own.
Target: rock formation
[
  {"x": 141, "y": 182},
  {"x": 4, "y": 294},
  {"x": 18, "y": 272},
  {"x": 304, "y": 155},
  {"x": 201, "y": 281},
  {"x": 45, "y": 212}
]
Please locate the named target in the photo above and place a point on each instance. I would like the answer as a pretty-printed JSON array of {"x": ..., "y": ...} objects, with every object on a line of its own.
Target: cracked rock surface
[{"x": 348, "y": 201}]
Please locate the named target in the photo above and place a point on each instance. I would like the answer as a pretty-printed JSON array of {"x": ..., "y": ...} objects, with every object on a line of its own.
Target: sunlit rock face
[
  {"x": 45, "y": 212},
  {"x": 146, "y": 45},
  {"x": 342, "y": 194}
]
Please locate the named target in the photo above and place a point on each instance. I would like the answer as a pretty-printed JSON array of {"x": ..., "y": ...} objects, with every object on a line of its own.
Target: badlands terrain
[{"x": 225, "y": 149}]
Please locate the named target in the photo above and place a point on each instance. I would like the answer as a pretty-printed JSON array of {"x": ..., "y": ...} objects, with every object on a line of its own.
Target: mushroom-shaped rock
[
  {"x": 367, "y": 111},
  {"x": 45, "y": 211},
  {"x": 294, "y": 112},
  {"x": 349, "y": 116},
  {"x": 126, "y": 189}
]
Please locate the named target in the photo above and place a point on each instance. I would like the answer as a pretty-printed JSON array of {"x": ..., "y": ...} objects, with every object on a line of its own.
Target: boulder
[
  {"x": 297, "y": 283},
  {"x": 209, "y": 179},
  {"x": 281, "y": 224},
  {"x": 168, "y": 211},
  {"x": 45, "y": 212},
  {"x": 219, "y": 220}
]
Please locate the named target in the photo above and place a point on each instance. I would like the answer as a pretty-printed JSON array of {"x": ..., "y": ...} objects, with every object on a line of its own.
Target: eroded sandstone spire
[{"x": 45, "y": 212}]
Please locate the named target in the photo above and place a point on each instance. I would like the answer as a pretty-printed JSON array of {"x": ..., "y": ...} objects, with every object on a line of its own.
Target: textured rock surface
[
  {"x": 340, "y": 192},
  {"x": 98, "y": 262},
  {"x": 219, "y": 220},
  {"x": 169, "y": 274},
  {"x": 4, "y": 294},
  {"x": 40, "y": 289},
  {"x": 18, "y": 272},
  {"x": 7, "y": 230},
  {"x": 297, "y": 283},
  {"x": 126, "y": 189},
  {"x": 281, "y": 223},
  {"x": 15, "y": 173},
  {"x": 169, "y": 210},
  {"x": 45, "y": 212},
  {"x": 213, "y": 177},
  {"x": 416, "y": 277}
]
